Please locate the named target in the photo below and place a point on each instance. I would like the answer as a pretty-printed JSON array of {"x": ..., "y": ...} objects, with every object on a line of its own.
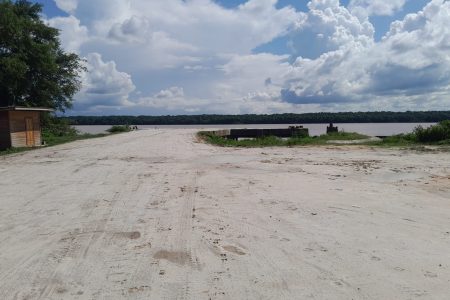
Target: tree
[{"x": 34, "y": 70}]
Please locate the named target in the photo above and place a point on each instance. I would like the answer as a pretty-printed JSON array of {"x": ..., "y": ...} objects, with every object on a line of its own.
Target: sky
[{"x": 154, "y": 57}]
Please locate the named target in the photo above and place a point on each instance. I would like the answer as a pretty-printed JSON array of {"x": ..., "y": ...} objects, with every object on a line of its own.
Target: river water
[{"x": 373, "y": 129}]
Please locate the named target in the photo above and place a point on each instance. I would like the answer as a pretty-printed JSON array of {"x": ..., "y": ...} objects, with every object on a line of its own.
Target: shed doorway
[{"x": 30, "y": 131}]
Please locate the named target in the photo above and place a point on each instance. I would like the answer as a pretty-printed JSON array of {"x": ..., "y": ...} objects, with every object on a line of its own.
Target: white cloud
[
  {"x": 103, "y": 84},
  {"x": 248, "y": 84},
  {"x": 415, "y": 53},
  {"x": 72, "y": 34},
  {"x": 172, "y": 100},
  {"x": 171, "y": 93},
  {"x": 202, "y": 23},
  {"x": 174, "y": 36},
  {"x": 412, "y": 62},
  {"x": 68, "y": 6},
  {"x": 204, "y": 53},
  {"x": 328, "y": 26},
  {"x": 376, "y": 7},
  {"x": 244, "y": 74}
]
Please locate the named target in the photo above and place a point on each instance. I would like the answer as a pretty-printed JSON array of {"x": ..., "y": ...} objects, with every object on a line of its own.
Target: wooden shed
[{"x": 20, "y": 127}]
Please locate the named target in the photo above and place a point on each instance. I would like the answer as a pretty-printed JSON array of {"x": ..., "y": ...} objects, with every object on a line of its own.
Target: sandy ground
[{"x": 156, "y": 215}]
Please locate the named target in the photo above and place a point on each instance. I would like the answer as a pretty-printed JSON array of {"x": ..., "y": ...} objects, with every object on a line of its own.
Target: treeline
[{"x": 308, "y": 118}]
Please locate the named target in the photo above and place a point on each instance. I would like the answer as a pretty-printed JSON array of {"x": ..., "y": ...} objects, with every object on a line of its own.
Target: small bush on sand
[
  {"x": 54, "y": 126},
  {"x": 437, "y": 133},
  {"x": 119, "y": 128}
]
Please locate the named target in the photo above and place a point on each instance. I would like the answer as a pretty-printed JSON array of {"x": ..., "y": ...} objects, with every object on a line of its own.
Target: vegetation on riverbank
[
  {"x": 438, "y": 135},
  {"x": 119, "y": 128},
  {"x": 307, "y": 118},
  {"x": 56, "y": 131},
  {"x": 51, "y": 139},
  {"x": 271, "y": 141}
]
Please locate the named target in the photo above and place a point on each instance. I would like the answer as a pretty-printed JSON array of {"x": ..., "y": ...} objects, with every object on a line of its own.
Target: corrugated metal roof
[{"x": 22, "y": 108}]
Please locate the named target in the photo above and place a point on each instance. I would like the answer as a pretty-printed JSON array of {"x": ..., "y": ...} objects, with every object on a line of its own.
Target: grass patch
[
  {"x": 13, "y": 151},
  {"x": 53, "y": 140},
  {"x": 437, "y": 135},
  {"x": 342, "y": 136},
  {"x": 119, "y": 129},
  {"x": 400, "y": 140},
  {"x": 58, "y": 131},
  {"x": 271, "y": 141}
]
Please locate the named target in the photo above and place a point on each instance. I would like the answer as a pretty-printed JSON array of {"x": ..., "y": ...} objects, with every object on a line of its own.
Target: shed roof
[{"x": 22, "y": 108}]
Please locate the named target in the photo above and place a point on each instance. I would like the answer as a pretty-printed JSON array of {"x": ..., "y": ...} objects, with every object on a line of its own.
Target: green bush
[
  {"x": 119, "y": 128},
  {"x": 52, "y": 125},
  {"x": 437, "y": 133}
]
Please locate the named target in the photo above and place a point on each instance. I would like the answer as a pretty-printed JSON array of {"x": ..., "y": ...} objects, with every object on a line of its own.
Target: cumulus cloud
[
  {"x": 150, "y": 38},
  {"x": 410, "y": 62},
  {"x": 248, "y": 84},
  {"x": 172, "y": 100},
  {"x": 198, "y": 56},
  {"x": 328, "y": 26},
  {"x": 244, "y": 74},
  {"x": 72, "y": 34},
  {"x": 68, "y": 6},
  {"x": 376, "y": 7},
  {"x": 103, "y": 84},
  {"x": 202, "y": 23},
  {"x": 171, "y": 93},
  {"x": 416, "y": 53},
  {"x": 135, "y": 29}
]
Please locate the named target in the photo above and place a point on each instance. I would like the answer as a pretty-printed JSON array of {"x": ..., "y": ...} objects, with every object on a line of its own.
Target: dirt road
[{"x": 156, "y": 215}]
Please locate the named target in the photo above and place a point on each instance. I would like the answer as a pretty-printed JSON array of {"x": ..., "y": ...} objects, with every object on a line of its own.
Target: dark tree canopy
[
  {"x": 34, "y": 70},
  {"x": 308, "y": 118}
]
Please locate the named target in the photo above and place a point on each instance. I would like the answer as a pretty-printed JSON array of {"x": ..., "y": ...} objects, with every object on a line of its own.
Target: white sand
[{"x": 156, "y": 215}]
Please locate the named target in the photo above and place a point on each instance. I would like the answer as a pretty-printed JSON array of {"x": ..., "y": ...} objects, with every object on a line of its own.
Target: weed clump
[
  {"x": 439, "y": 133},
  {"x": 119, "y": 128}
]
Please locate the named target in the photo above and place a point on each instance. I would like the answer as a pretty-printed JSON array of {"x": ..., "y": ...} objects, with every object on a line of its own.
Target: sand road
[{"x": 156, "y": 215}]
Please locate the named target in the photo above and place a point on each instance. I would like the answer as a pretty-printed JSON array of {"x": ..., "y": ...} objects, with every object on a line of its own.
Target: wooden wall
[
  {"x": 5, "y": 137},
  {"x": 18, "y": 127}
]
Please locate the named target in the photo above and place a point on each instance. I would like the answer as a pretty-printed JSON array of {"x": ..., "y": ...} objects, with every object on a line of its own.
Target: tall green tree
[{"x": 34, "y": 70}]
